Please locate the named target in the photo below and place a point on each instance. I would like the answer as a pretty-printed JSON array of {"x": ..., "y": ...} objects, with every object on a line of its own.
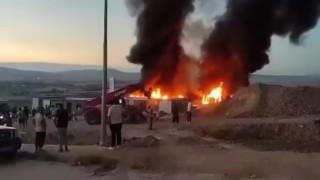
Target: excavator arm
[
  {"x": 111, "y": 97},
  {"x": 92, "y": 113}
]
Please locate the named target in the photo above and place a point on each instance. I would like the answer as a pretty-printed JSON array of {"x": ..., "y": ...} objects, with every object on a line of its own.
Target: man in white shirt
[
  {"x": 115, "y": 113},
  {"x": 40, "y": 128},
  {"x": 189, "y": 114}
]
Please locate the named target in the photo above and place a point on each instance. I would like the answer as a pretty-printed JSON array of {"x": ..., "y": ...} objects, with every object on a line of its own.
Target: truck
[{"x": 92, "y": 111}]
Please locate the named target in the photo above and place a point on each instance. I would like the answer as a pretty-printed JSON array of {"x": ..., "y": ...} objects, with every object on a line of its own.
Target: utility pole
[{"x": 103, "y": 133}]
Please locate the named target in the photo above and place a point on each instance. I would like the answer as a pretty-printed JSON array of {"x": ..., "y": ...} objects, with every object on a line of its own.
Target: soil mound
[
  {"x": 299, "y": 137},
  {"x": 261, "y": 100}
]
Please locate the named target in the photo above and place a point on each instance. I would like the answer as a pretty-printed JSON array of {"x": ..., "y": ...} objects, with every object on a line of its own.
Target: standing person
[
  {"x": 21, "y": 117},
  {"x": 47, "y": 111},
  {"x": 175, "y": 117},
  {"x": 14, "y": 112},
  {"x": 33, "y": 112},
  {"x": 9, "y": 123},
  {"x": 151, "y": 117},
  {"x": 40, "y": 128},
  {"x": 189, "y": 113},
  {"x": 61, "y": 122},
  {"x": 52, "y": 110},
  {"x": 26, "y": 113},
  {"x": 115, "y": 118}
]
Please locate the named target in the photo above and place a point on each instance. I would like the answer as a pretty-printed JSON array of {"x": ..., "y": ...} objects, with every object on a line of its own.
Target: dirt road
[
  {"x": 185, "y": 159},
  {"x": 40, "y": 170},
  {"x": 54, "y": 171}
]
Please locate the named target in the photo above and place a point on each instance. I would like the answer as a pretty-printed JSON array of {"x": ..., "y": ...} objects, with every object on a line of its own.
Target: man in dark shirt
[
  {"x": 27, "y": 113},
  {"x": 175, "y": 117},
  {"x": 61, "y": 122}
]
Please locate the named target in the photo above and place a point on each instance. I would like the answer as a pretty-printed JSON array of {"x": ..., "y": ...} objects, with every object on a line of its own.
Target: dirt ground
[{"x": 193, "y": 152}]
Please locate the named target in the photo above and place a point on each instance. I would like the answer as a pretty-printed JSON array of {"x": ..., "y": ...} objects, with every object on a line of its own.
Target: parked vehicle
[
  {"x": 5, "y": 119},
  {"x": 10, "y": 141}
]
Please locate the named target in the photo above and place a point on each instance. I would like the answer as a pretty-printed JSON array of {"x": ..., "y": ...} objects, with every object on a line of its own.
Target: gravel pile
[{"x": 261, "y": 100}]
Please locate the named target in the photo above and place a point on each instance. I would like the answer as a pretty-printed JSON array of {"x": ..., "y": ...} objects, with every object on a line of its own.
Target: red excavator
[{"x": 92, "y": 112}]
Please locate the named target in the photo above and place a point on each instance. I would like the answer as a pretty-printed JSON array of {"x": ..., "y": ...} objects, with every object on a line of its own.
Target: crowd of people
[
  {"x": 39, "y": 117},
  {"x": 151, "y": 115},
  {"x": 23, "y": 116},
  {"x": 60, "y": 118}
]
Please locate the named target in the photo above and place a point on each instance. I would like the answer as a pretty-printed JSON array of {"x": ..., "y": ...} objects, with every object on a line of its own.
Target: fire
[
  {"x": 214, "y": 96},
  {"x": 156, "y": 94}
]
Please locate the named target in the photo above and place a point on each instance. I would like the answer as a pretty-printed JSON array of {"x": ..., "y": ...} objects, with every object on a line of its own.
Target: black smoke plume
[
  {"x": 240, "y": 41},
  {"x": 159, "y": 29}
]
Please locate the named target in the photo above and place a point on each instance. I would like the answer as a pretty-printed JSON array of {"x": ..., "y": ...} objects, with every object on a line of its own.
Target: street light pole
[{"x": 103, "y": 132}]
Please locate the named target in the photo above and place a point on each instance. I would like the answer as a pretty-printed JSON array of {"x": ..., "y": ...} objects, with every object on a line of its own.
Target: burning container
[
  {"x": 159, "y": 105},
  {"x": 167, "y": 105}
]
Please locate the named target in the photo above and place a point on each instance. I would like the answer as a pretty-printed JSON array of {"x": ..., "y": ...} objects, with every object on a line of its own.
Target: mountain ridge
[
  {"x": 83, "y": 73},
  {"x": 47, "y": 67},
  {"x": 86, "y": 75}
]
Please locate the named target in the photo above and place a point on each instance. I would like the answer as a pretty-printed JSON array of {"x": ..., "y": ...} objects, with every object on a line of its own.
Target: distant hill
[
  {"x": 308, "y": 80},
  {"x": 47, "y": 67},
  {"x": 83, "y": 73},
  {"x": 8, "y": 74}
]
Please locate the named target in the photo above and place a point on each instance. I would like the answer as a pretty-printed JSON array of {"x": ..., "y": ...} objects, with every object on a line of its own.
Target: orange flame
[
  {"x": 156, "y": 94},
  {"x": 215, "y": 96}
]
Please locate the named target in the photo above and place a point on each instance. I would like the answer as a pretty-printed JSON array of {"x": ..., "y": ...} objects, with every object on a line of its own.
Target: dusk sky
[{"x": 71, "y": 31}]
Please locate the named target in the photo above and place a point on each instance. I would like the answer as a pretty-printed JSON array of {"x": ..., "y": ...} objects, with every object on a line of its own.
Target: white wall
[
  {"x": 165, "y": 106},
  {"x": 46, "y": 102},
  {"x": 35, "y": 103}
]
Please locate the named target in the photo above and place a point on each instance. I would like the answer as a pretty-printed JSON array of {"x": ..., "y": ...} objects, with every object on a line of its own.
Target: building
[{"x": 72, "y": 104}]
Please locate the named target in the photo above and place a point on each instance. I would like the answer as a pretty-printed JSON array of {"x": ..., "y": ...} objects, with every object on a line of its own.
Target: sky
[{"x": 71, "y": 31}]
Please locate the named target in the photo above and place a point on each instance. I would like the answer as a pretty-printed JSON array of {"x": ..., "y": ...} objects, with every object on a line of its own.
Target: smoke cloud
[
  {"x": 134, "y": 6},
  {"x": 194, "y": 33},
  {"x": 239, "y": 44},
  {"x": 159, "y": 29}
]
